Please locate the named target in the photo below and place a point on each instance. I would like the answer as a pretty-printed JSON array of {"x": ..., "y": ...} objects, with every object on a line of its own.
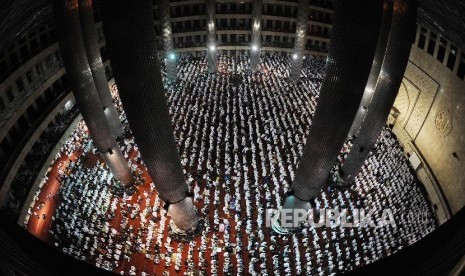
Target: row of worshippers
[{"x": 240, "y": 143}]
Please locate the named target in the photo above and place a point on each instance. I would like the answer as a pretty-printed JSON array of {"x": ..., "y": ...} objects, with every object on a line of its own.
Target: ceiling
[
  {"x": 18, "y": 16},
  {"x": 446, "y": 17}
]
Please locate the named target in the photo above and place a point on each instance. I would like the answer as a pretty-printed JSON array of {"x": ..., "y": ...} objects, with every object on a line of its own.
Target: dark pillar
[
  {"x": 399, "y": 43},
  {"x": 79, "y": 73},
  {"x": 212, "y": 54},
  {"x": 300, "y": 39},
  {"x": 351, "y": 52},
  {"x": 131, "y": 39},
  {"x": 375, "y": 68},
  {"x": 86, "y": 16},
  {"x": 256, "y": 34},
  {"x": 170, "y": 56}
]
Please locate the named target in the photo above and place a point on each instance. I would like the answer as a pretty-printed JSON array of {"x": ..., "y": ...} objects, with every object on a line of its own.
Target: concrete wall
[{"x": 431, "y": 122}]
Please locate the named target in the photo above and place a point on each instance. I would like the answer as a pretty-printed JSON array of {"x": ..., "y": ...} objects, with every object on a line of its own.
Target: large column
[
  {"x": 300, "y": 39},
  {"x": 436, "y": 46},
  {"x": 256, "y": 34},
  {"x": 79, "y": 74},
  {"x": 86, "y": 16},
  {"x": 446, "y": 56},
  {"x": 400, "y": 40},
  {"x": 2, "y": 153},
  {"x": 458, "y": 57},
  {"x": 131, "y": 40},
  {"x": 170, "y": 56},
  {"x": 417, "y": 36},
  {"x": 212, "y": 53},
  {"x": 351, "y": 52},
  {"x": 375, "y": 68}
]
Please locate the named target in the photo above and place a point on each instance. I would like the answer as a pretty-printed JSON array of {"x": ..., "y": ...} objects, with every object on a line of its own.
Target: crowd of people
[{"x": 240, "y": 136}]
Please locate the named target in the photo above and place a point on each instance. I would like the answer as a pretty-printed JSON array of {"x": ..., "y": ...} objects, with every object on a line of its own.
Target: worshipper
[{"x": 239, "y": 143}]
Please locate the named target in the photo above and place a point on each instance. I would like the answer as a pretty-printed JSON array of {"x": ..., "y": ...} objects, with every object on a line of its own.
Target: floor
[{"x": 211, "y": 245}]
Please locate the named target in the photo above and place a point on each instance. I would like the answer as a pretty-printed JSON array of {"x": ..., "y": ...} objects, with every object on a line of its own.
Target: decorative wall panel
[{"x": 428, "y": 89}]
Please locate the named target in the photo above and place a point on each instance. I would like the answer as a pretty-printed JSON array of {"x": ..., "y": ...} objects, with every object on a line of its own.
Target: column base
[
  {"x": 337, "y": 179},
  {"x": 276, "y": 225},
  {"x": 292, "y": 206},
  {"x": 294, "y": 79},
  {"x": 293, "y": 202},
  {"x": 184, "y": 221},
  {"x": 118, "y": 166},
  {"x": 185, "y": 236}
]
